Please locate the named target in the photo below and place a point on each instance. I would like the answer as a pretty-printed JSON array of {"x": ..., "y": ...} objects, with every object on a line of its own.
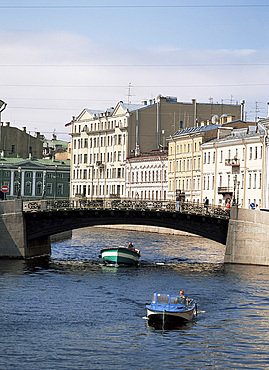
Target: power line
[
  {"x": 136, "y": 86},
  {"x": 137, "y": 65},
  {"x": 132, "y": 6}
]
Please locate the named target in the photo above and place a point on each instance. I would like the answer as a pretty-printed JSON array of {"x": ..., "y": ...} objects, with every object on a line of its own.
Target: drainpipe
[
  {"x": 195, "y": 113},
  {"x": 137, "y": 143},
  {"x": 264, "y": 185},
  {"x": 158, "y": 121}
]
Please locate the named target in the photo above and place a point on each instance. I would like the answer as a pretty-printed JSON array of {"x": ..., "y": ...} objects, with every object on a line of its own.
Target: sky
[{"x": 59, "y": 57}]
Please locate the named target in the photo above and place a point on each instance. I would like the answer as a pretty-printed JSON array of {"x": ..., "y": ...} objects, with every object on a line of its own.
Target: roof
[
  {"x": 34, "y": 162},
  {"x": 193, "y": 130}
]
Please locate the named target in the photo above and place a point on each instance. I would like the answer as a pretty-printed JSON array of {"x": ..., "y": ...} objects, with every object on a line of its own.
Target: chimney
[
  {"x": 8, "y": 124},
  {"x": 242, "y": 109},
  {"x": 24, "y": 129},
  {"x": 268, "y": 109},
  {"x": 37, "y": 134}
]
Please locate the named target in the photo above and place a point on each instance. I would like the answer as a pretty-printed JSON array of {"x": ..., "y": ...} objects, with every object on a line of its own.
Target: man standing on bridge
[{"x": 206, "y": 204}]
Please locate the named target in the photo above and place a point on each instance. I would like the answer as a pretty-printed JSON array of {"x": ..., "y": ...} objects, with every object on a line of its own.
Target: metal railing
[{"x": 124, "y": 204}]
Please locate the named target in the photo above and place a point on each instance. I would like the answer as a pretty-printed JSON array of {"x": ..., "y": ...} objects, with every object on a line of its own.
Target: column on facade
[
  {"x": 34, "y": 179},
  {"x": 12, "y": 182},
  {"x": 22, "y": 182}
]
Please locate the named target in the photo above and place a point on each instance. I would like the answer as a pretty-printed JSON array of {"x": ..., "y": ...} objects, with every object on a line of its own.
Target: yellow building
[{"x": 185, "y": 164}]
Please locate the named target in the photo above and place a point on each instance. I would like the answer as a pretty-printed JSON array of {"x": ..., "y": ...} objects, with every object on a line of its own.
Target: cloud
[{"x": 48, "y": 77}]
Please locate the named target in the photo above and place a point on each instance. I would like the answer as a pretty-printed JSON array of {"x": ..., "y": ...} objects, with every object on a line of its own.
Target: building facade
[
  {"x": 103, "y": 140},
  {"x": 18, "y": 143},
  {"x": 146, "y": 176},
  {"x": 234, "y": 168},
  {"x": 185, "y": 161},
  {"x": 35, "y": 179}
]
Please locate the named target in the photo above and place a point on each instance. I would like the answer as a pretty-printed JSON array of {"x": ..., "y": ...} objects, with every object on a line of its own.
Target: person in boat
[
  {"x": 130, "y": 245},
  {"x": 182, "y": 298}
]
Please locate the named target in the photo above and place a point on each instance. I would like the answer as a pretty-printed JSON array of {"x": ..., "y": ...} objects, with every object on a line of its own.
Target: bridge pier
[
  {"x": 13, "y": 241},
  {"x": 247, "y": 238}
]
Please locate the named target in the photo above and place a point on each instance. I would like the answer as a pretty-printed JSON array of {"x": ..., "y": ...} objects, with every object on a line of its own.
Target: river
[{"x": 70, "y": 312}]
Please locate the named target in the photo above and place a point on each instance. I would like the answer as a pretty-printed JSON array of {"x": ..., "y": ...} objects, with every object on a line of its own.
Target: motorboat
[
  {"x": 169, "y": 310},
  {"x": 120, "y": 256}
]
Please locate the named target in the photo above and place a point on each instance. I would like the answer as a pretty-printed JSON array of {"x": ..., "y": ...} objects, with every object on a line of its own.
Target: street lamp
[
  {"x": 44, "y": 184},
  {"x": 235, "y": 182},
  {"x": 2, "y": 107},
  {"x": 238, "y": 184},
  {"x": 19, "y": 185}
]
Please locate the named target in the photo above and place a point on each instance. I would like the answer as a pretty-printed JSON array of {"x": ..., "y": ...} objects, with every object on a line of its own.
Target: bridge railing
[{"x": 124, "y": 204}]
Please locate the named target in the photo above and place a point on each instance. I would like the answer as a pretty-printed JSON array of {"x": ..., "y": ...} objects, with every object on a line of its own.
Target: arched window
[
  {"x": 39, "y": 188},
  {"x": 28, "y": 187}
]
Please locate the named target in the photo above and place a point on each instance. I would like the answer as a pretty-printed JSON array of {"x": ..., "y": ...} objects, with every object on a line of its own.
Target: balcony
[
  {"x": 99, "y": 164},
  {"x": 234, "y": 162},
  {"x": 225, "y": 190}
]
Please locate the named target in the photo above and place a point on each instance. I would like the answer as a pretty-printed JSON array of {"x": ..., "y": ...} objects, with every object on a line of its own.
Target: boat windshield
[{"x": 168, "y": 299}]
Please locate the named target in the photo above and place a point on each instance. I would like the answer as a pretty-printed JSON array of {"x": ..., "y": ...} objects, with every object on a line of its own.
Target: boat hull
[
  {"x": 120, "y": 256},
  {"x": 167, "y": 318}
]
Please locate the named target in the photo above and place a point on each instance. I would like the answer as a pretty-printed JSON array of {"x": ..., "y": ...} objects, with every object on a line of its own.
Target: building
[
  {"x": 103, "y": 140},
  {"x": 185, "y": 164},
  {"x": 146, "y": 176},
  {"x": 35, "y": 178},
  {"x": 55, "y": 148},
  {"x": 18, "y": 143},
  {"x": 234, "y": 167}
]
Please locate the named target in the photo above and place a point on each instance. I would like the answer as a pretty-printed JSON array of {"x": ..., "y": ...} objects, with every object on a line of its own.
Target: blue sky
[{"x": 58, "y": 57}]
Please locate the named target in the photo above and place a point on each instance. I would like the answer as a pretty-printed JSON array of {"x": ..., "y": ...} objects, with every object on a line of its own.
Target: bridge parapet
[{"x": 124, "y": 204}]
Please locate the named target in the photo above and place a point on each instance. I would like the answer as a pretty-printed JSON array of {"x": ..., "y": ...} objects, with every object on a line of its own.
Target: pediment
[{"x": 120, "y": 109}]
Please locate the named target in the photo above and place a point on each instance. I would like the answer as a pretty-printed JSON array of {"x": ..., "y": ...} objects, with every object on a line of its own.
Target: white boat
[
  {"x": 168, "y": 310},
  {"x": 120, "y": 256}
]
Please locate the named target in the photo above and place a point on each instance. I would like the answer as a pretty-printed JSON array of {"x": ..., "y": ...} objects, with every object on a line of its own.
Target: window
[
  {"x": 39, "y": 188},
  {"x": 249, "y": 181},
  {"x": 28, "y": 187},
  {"x": 49, "y": 189},
  {"x": 60, "y": 189},
  {"x": 250, "y": 152},
  {"x": 255, "y": 181},
  {"x": 256, "y": 152},
  {"x": 221, "y": 156}
]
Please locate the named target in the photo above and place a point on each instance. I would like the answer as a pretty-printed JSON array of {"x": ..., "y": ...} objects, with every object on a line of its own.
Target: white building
[
  {"x": 233, "y": 168},
  {"x": 103, "y": 140},
  {"x": 146, "y": 176}
]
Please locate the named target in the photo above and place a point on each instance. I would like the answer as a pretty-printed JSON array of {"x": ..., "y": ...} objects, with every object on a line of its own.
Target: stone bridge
[{"x": 26, "y": 227}]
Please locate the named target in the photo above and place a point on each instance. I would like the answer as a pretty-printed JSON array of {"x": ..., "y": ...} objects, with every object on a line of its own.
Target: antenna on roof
[{"x": 129, "y": 93}]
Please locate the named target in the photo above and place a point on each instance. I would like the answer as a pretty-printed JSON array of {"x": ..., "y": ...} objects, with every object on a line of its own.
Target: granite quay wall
[
  {"x": 248, "y": 236},
  {"x": 13, "y": 242}
]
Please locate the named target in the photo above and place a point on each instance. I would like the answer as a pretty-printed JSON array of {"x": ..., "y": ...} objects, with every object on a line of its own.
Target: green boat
[{"x": 120, "y": 256}]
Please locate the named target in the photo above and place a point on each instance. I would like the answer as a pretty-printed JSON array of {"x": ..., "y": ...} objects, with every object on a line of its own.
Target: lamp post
[
  {"x": 238, "y": 185},
  {"x": 235, "y": 181},
  {"x": 44, "y": 184},
  {"x": 55, "y": 184},
  {"x": 19, "y": 184}
]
